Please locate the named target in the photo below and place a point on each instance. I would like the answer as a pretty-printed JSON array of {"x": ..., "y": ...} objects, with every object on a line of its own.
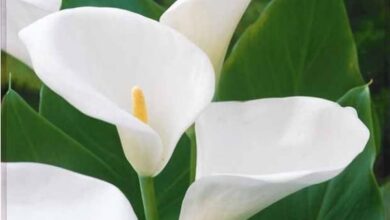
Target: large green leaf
[
  {"x": 296, "y": 47},
  {"x": 386, "y": 198},
  {"x": 353, "y": 195},
  {"x": 144, "y": 7},
  {"x": 103, "y": 139}
]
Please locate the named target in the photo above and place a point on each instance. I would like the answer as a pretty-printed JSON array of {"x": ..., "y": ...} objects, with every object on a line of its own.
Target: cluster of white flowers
[{"x": 249, "y": 154}]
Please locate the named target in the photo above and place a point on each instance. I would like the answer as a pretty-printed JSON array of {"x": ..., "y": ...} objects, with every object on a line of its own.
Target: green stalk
[
  {"x": 193, "y": 161},
  {"x": 148, "y": 197},
  {"x": 192, "y": 136}
]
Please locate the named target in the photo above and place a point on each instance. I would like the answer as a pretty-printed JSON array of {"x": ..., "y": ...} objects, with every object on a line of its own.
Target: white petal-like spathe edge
[
  {"x": 19, "y": 14},
  {"x": 93, "y": 57},
  {"x": 254, "y": 153},
  {"x": 210, "y": 24},
  {"x": 36, "y": 192}
]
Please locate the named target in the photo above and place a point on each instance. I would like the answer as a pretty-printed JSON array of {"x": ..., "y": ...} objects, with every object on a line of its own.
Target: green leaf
[
  {"x": 147, "y": 8},
  {"x": 103, "y": 139},
  {"x": 255, "y": 8},
  {"x": 353, "y": 195},
  {"x": 386, "y": 198},
  {"x": 165, "y": 3},
  {"x": 296, "y": 47}
]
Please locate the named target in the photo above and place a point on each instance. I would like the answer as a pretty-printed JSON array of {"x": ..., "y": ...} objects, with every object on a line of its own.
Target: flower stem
[
  {"x": 191, "y": 135},
  {"x": 193, "y": 161},
  {"x": 148, "y": 197}
]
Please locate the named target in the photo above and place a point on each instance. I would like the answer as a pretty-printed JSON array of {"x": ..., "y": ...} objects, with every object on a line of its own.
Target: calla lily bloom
[
  {"x": 21, "y": 13},
  {"x": 36, "y": 191},
  {"x": 254, "y": 153},
  {"x": 144, "y": 77},
  {"x": 210, "y": 24}
]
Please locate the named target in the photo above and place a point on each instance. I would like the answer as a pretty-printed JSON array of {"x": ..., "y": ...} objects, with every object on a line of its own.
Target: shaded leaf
[{"x": 385, "y": 189}]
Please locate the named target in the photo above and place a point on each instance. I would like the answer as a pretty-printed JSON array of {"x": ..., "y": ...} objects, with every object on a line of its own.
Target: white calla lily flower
[
  {"x": 254, "y": 153},
  {"x": 37, "y": 191},
  {"x": 19, "y": 14},
  {"x": 210, "y": 24},
  {"x": 125, "y": 69}
]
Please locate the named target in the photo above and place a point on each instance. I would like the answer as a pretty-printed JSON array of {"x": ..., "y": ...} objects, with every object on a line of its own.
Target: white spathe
[
  {"x": 19, "y": 14},
  {"x": 41, "y": 192},
  {"x": 254, "y": 153},
  {"x": 93, "y": 57},
  {"x": 210, "y": 24}
]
